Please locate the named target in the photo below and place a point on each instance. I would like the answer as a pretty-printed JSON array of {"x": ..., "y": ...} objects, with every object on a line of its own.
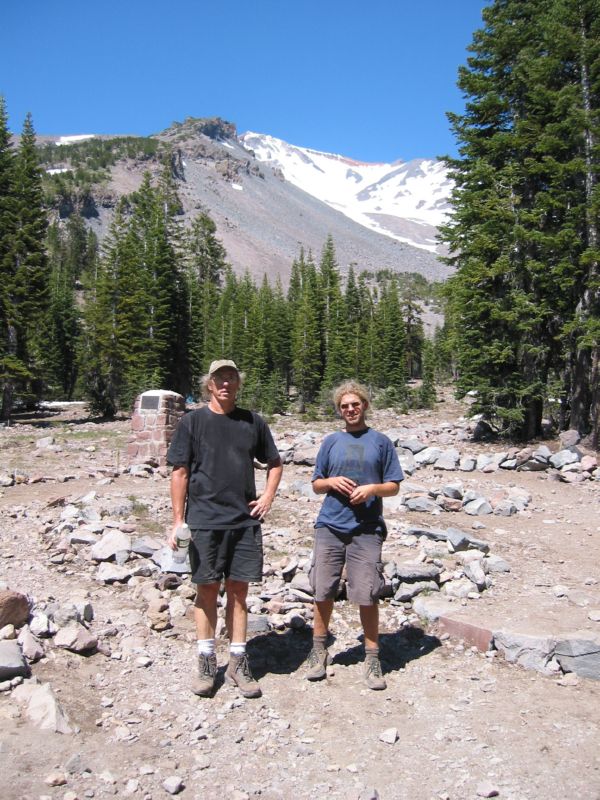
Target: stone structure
[{"x": 154, "y": 420}]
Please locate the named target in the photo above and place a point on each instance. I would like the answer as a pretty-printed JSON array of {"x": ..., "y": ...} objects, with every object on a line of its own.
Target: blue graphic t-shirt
[{"x": 366, "y": 457}]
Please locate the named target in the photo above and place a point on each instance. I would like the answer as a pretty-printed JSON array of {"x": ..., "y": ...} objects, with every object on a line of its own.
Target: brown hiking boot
[
  {"x": 204, "y": 682},
  {"x": 373, "y": 675},
  {"x": 238, "y": 672},
  {"x": 317, "y": 664}
]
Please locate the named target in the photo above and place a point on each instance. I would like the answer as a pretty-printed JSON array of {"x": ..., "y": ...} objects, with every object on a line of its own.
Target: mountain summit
[{"x": 403, "y": 200}]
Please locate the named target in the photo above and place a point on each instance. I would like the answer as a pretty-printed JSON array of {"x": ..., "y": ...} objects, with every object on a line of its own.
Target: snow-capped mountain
[{"x": 403, "y": 200}]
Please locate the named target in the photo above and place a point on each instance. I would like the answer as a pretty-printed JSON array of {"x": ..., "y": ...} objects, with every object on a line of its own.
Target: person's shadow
[
  {"x": 284, "y": 653},
  {"x": 396, "y": 649}
]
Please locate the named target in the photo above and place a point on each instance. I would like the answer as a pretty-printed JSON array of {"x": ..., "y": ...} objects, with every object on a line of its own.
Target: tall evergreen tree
[
  {"x": 24, "y": 270},
  {"x": 520, "y": 235}
]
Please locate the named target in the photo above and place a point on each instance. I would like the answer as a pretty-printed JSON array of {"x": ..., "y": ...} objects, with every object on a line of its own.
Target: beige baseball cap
[{"x": 220, "y": 364}]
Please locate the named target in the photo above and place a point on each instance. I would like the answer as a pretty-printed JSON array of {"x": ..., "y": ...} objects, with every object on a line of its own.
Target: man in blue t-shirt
[{"x": 355, "y": 468}]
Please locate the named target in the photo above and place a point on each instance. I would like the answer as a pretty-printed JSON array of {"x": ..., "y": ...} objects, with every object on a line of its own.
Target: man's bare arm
[
  {"x": 180, "y": 479},
  {"x": 362, "y": 493},
  {"x": 262, "y": 505}
]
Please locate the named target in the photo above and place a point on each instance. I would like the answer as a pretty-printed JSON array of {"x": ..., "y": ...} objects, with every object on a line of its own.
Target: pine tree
[
  {"x": 520, "y": 234},
  {"x": 11, "y": 369},
  {"x": 62, "y": 324},
  {"x": 205, "y": 267},
  {"x": 24, "y": 269}
]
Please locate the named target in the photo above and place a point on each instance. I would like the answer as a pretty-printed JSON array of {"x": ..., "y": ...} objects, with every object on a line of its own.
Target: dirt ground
[{"x": 468, "y": 724}]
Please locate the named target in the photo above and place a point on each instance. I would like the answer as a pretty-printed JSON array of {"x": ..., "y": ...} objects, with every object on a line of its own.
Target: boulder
[
  {"x": 580, "y": 653},
  {"x": 14, "y": 608},
  {"x": 12, "y": 661},
  {"x": 111, "y": 543},
  {"x": 76, "y": 638},
  {"x": 531, "y": 652},
  {"x": 42, "y": 707}
]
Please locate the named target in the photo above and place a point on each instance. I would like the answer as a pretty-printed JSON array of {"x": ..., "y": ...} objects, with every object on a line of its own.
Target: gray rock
[
  {"x": 414, "y": 445},
  {"x": 467, "y": 464},
  {"x": 66, "y": 613},
  {"x": 31, "y": 646},
  {"x": 44, "y": 442},
  {"x": 460, "y": 540},
  {"x": 76, "y": 638},
  {"x": 82, "y": 536},
  {"x": 12, "y": 661},
  {"x": 41, "y": 625},
  {"x": 110, "y": 544},
  {"x": 569, "y": 438},
  {"x": 580, "y": 653},
  {"x": 407, "y": 461},
  {"x": 562, "y": 458},
  {"x": 306, "y": 455},
  {"x": 531, "y": 652},
  {"x": 483, "y": 459},
  {"x": 453, "y": 490},
  {"x": 505, "y": 508},
  {"x": 423, "y": 504},
  {"x": 474, "y": 572},
  {"x": 432, "y": 607},
  {"x": 112, "y": 573},
  {"x": 427, "y": 456},
  {"x": 164, "y": 559},
  {"x": 6, "y": 479},
  {"x": 459, "y": 588},
  {"x": 509, "y": 463},
  {"x": 173, "y": 784},
  {"x": 389, "y": 735},
  {"x": 42, "y": 707},
  {"x": 496, "y": 564},
  {"x": 448, "y": 460},
  {"x": 406, "y": 591},
  {"x": 417, "y": 572},
  {"x": 146, "y": 545},
  {"x": 436, "y": 534},
  {"x": 301, "y": 581},
  {"x": 478, "y": 507}
]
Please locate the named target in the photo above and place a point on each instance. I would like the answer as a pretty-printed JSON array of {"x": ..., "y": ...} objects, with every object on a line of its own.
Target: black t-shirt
[{"x": 219, "y": 450}]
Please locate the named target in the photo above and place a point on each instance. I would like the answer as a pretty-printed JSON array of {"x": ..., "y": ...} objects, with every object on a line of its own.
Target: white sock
[
  {"x": 237, "y": 648},
  {"x": 206, "y": 647}
]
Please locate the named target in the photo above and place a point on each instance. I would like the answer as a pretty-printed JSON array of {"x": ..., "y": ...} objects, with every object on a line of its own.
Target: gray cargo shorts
[{"x": 360, "y": 552}]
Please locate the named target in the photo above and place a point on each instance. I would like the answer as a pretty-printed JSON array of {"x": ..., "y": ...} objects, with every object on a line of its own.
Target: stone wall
[{"x": 155, "y": 417}]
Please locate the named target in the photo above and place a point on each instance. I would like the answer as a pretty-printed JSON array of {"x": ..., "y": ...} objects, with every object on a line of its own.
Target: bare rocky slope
[
  {"x": 262, "y": 220},
  {"x": 481, "y": 700}
]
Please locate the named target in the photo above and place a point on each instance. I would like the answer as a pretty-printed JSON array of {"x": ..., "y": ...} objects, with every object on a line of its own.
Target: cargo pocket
[{"x": 378, "y": 582}]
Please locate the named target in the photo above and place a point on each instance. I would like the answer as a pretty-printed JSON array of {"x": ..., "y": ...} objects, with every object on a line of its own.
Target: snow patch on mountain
[{"x": 403, "y": 200}]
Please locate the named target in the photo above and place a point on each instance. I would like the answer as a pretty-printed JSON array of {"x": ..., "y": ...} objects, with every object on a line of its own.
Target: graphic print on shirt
[{"x": 354, "y": 462}]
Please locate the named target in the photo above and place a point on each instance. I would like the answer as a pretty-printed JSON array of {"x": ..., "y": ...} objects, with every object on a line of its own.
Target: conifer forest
[{"x": 153, "y": 303}]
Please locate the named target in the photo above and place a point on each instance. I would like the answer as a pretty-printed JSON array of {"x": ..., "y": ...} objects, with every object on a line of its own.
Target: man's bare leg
[
  {"x": 205, "y": 611},
  {"x": 369, "y": 617},
  {"x": 236, "y": 615},
  {"x": 322, "y": 615},
  {"x": 205, "y": 617}
]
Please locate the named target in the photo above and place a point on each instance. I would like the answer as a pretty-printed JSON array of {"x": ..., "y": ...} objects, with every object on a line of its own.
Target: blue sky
[{"x": 369, "y": 79}]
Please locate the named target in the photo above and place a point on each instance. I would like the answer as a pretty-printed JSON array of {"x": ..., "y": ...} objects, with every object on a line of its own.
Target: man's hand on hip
[{"x": 260, "y": 507}]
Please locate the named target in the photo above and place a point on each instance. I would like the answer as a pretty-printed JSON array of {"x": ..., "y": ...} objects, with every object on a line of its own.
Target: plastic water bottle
[{"x": 182, "y": 540}]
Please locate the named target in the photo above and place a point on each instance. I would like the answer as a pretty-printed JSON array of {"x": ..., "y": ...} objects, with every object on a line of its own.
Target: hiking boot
[
  {"x": 204, "y": 682},
  {"x": 373, "y": 676},
  {"x": 238, "y": 672},
  {"x": 317, "y": 664}
]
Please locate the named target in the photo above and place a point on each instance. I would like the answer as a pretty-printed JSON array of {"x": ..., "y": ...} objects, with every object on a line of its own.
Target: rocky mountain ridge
[{"x": 262, "y": 218}]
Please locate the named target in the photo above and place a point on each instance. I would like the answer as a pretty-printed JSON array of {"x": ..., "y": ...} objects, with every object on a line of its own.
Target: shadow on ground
[{"x": 284, "y": 653}]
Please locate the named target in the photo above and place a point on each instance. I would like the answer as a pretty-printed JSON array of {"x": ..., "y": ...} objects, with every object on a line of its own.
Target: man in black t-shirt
[{"x": 213, "y": 490}]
